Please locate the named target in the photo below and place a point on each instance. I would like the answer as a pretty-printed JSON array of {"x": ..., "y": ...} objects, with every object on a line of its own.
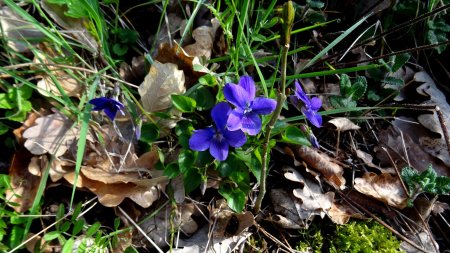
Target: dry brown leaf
[
  {"x": 46, "y": 85},
  {"x": 24, "y": 185},
  {"x": 74, "y": 27},
  {"x": 420, "y": 238},
  {"x": 385, "y": 187},
  {"x": 18, "y": 33},
  {"x": 401, "y": 136},
  {"x": 18, "y": 132},
  {"x": 343, "y": 124},
  {"x": 312, "y": 200},
  {"x": 203, "y": 36},
  {"x": 158, "y": 227},
  {"x": 332, "y": 172},
  {"x": 287, "y": 210},
  {"x": 227, "y": 222},
  {"x": 111, "y": 195},
  {"x": 51, "y": 134},
  {"x": 439, "y": 207},
  {"x": 176, "y": 55},
  {"x": 341, "y": 214},
  {"x": 163, "y": 80}
]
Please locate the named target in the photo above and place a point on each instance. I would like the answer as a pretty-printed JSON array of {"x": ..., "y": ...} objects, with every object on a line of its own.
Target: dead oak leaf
[
  {"x": 24, "y": 185},
  {"x": 312, "y": 200},
  {"x": 341, "y": 214},
  {"x": 110, "y": 195},
  {"x": 332, "y": 172},
  {"x": 51, "y": 134},
  {"x": 384, "y": 187}
]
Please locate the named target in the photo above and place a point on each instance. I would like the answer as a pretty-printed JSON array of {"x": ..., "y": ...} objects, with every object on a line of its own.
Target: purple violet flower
[
  {"x": 109, "y": 105},
  {"x": 245, "y": 115},
  {"x": 217, "y": 139},
  {"x": 309, "y": 107}
]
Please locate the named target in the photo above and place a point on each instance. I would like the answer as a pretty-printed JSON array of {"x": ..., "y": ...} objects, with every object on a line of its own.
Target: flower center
[
  {"x": 218, "y": 136},
  {"x": 248, "y": 108}
]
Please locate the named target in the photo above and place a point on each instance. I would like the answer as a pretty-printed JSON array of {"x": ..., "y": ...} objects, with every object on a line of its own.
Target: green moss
[
  {"x": 311, "y": 240},
  {"x": 365, "y": 237}
]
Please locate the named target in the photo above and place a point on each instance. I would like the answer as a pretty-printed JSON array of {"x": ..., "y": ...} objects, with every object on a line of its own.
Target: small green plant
[
  {"x": 350, "y": 92},
  {"x": 366, "y": 237},
  {"x": 311, "y": 240},
  {"x": 426, "y": 181}
]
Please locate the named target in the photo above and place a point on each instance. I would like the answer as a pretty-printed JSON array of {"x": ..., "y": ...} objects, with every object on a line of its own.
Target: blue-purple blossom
[
  {"x": 217, "y": 139},
  {"x": 109, "y": 105},
  {"x": 245, "y": 115},
  {"x": 309, "y": 107}
]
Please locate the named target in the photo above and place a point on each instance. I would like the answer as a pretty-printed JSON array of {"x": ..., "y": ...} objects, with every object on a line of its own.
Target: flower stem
[{"x": 266, "y": 149}]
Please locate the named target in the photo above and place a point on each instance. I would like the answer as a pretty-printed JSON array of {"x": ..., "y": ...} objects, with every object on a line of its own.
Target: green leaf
[
  {"x": 51, "y": 235},
  {"x": 65, "y": 226},
  {"x": 345, "y": 85},
  {"x": 235, "y": 197},
  {"x": 442, "y": 185},
  {"x": 373, "y": 96},
  {"x": 192, "y": 179},
  {"x": 120, "y": 49},
  {"x": 358, "y": 88},
  {"x": 15, "y": 236},
  {"x": 5, "y": 102},
  {"x": 183, "y": 103},
  {"x": 172, "y": 170},
  {"x": 295, "y": 136},
  {"x": 93, "y": 229},
  {"x": 149, "y": 132},
  {"x": 78, "y": 226},
  {"x": 3, "y": 128},
  {"x": 315, "y": 4},
  {"x": 399, "y": 61},
  {"x": 68, "y": 246},
  {"x": 186, "y": 160},
  {"x": 205, "y": 100}
]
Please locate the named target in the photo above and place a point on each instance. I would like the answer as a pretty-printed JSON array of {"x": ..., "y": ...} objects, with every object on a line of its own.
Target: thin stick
[{"x": 140, "y": 229}]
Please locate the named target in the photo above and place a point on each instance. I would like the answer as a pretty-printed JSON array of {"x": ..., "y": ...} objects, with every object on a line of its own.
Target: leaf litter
[{"x": 112, "y": 170}]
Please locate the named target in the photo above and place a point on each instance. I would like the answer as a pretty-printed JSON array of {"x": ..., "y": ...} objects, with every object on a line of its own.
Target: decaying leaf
[
  {"x": 341, "y": 213},
  {"x": 51, "y": 134},
  {"x": 287, "y": 208},
  {"x": 19, "y": 34},
  {"x": 18, "y": 132},
  {"x": 384, "y": 187},
  {"x": 420, "y": 238},
  {"x": 437, "y": 97},
  {"x": 47, "y": 85},
  {"x": 332, "y": 172},
  {"x": 312, "y": 200},
  {"x": 343, "y": 124},
  {"x": 203, "y": 36},
  {"x": 176, "y": 55},
  {"x": 227, "y": 222},
  {"x": 76, "y": 26},
  {"x": 401, "y": 136},
  {"x": 24, "y": 185},
  {"x": 158, "y": 227},
  {"x": 200, "y": 242},
  {"x": 163, "y": 80}
]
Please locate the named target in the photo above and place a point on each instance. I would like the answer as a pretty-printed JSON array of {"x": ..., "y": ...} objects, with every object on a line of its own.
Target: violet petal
[
  {"x": 234, "y": 121},
  {"x": 235, "y": 138},
  {"x": 248, "y": 84},
  {"x": 251, "y": 123},
  {"x": 219, "y": 149},
  {"x": 201, "y": 139},
  {"x": 263, "y": 105},
  {"x": 220, "y": 114},
  {"x": 236, "y": 95}
]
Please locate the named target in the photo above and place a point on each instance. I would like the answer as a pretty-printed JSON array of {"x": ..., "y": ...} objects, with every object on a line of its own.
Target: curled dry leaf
[
  {"x": 385, "y": 187},
  {"x": 312, "y": 200},
  {"x": 51, "y": 134},
  {"x": 343, "y": 124},
  {"x": 176, "y": 55},
  {"x": 18, "y": 33},
  {"x": 24, "y": 185},
  {"x": 332, "y": 172},
  {"x": 142, "y": 192},
  {"x": 203, "y": 36},
  {"x": 163, "y": 80},
  {"x": 341, "y": 213}
]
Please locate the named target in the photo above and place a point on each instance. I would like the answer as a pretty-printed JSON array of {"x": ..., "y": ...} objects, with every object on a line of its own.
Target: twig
[
  {"x": 288, "y": 18},
  {"x": 274, "y": 239},
  {"x": 140, "y": 229}
]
